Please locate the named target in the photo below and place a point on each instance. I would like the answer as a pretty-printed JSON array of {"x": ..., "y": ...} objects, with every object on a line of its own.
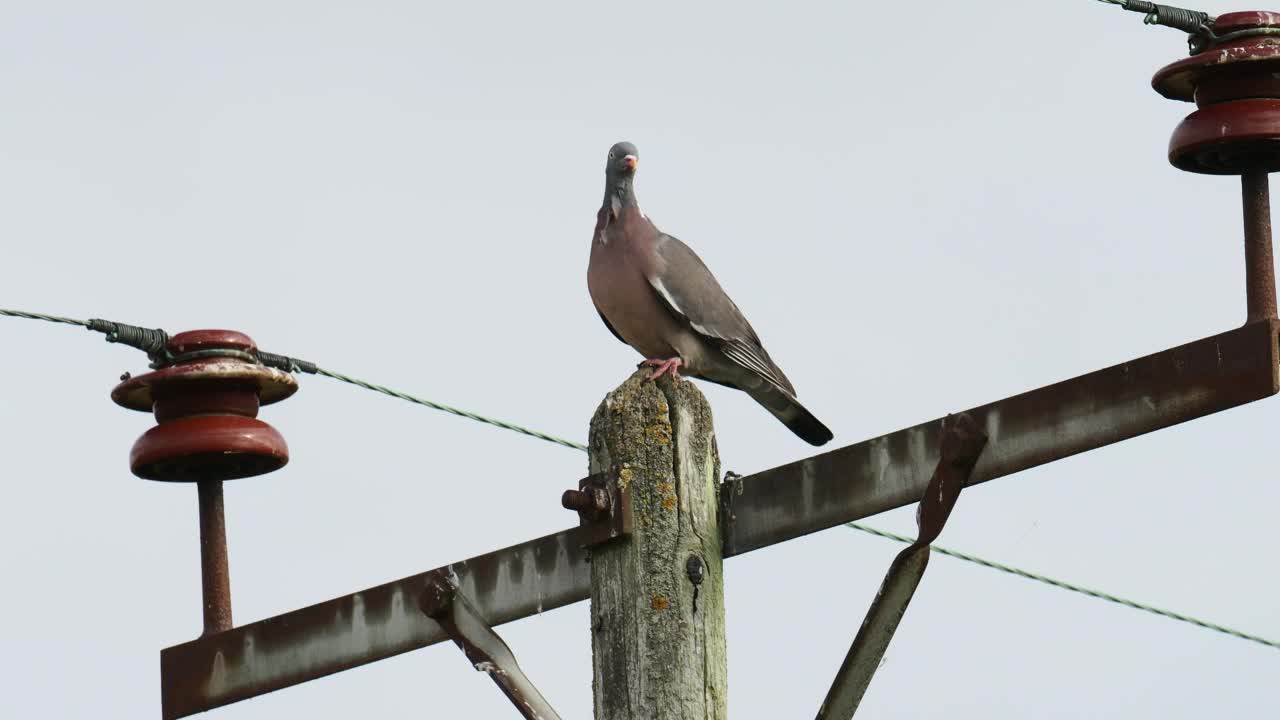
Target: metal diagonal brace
[
  {"x": 442, "y": 602},
  {"x": 962, "y": 444}
]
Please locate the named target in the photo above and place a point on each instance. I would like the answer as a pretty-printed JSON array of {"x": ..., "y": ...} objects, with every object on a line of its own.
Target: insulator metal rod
[
  {"x": 215, "y": 575},
  {"x": 1259, "y": 268}
]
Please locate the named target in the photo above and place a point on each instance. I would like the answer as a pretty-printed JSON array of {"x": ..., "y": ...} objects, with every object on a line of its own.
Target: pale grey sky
[{"x": 921, "y": 208}]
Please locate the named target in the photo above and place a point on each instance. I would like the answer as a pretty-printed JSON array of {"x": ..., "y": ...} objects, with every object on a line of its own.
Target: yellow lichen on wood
[
  {"x": 668, "y": 492},
  {"x": 659, "y": 432},
  {"x": 659, "y": 603}
]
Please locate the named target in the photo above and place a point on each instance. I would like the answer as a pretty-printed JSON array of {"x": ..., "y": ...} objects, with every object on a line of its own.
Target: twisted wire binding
[
  {"x": 1189, "y": 21},
  {"x": 286, "y": 363},
  {"x": 1072, "y": 588},
  {"x": 152, "y": 341},
  {"x": 145, "y": 337}
]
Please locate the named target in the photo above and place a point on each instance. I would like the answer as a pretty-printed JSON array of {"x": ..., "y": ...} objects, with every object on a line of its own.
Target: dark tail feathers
[{"x": 792, "y": 414}]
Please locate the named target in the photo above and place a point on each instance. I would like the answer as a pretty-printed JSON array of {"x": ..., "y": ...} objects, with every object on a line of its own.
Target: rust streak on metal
[
  {"x": 962, "y": 444},
  {"x": 1027, "y": 430},
  {"x": 1260, "y": 272},
  {"x": 215, "y": 575},
  {"x": 373, "y": 624}
]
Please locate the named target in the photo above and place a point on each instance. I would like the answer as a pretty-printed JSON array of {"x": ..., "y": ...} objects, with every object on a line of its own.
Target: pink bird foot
[{"x": 664, "y": 367}]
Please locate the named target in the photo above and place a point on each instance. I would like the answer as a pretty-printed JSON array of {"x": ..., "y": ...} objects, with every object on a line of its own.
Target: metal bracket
[
  {"x": 962, "y": 444},
  {"x": 603, "y": 503},
  {"x": 460, "y": 620}
]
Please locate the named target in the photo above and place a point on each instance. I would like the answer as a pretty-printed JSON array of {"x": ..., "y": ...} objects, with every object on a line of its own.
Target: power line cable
[
  {"x": 152, "y": 340},
  {"x": 445, "y": 408},
  {"x": 1072, "y": 588},
  {"x": 42, "y": 316}
]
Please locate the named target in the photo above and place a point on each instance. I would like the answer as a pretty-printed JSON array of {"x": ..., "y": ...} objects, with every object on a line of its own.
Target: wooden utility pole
[{"x": 657, "y": 596}]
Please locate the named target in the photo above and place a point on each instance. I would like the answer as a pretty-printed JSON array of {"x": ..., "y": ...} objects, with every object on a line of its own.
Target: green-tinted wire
[
  {"x": 448, "y": 409},
  {"x": 40, "y": 316},
  {"x": 1073, "y": 588}
]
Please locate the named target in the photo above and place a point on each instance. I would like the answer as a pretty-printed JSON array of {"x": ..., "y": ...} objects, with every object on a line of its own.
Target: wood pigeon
[{"x": 657, "y": 296}]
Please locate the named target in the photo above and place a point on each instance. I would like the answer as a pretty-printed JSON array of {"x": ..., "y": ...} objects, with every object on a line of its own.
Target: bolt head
[
  {"x": 593, "y": 502},
  {"x": 575, "y": 500},
  {"x": 695, "y": 569}
]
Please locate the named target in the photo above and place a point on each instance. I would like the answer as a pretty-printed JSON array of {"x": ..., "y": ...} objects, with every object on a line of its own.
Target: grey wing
[{"x": 693, "y": 294}]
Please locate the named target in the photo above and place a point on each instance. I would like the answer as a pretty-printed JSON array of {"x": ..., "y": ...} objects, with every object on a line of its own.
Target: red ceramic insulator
[
  {"x": 206, "y": 404},
  {"x": 208, "y": 447},
  {"x": 1235, "y": 86},
  {"x": 1229, "y": 138}
]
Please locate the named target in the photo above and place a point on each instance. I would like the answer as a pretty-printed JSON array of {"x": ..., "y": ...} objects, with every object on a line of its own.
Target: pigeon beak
[{"x": 630, "y": 161}]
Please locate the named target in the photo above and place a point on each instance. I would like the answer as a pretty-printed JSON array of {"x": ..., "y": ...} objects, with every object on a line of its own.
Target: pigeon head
[
  {"x": 619, "y": 177},
  {"x": 623, "y": 159}
]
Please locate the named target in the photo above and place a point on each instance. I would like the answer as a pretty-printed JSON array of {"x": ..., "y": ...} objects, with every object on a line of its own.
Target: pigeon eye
[{"x": 611, "y": 156}]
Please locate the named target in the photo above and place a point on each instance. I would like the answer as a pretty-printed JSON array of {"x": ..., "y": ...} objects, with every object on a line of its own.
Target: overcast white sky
[{"x": 921, "y": 207}]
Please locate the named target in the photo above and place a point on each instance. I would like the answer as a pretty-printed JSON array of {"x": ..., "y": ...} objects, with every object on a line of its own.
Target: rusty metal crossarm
[
  {"x": 1027, "y": 430},
  {"x": 383, "y": 621},
  {"x": 369, "y": 625},
  {"x": 840, "y": 486}
]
